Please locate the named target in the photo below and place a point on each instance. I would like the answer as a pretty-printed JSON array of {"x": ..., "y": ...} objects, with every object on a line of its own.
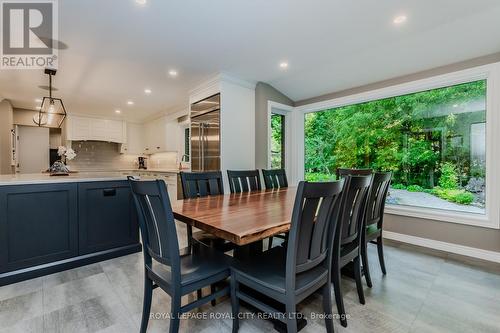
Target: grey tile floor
[{"x": 424, "y": 291}]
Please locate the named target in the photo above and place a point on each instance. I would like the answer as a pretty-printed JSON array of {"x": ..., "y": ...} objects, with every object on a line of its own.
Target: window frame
[
  {"x": 490, "y": 73},
  {"x": 287, "y": 112},
  {"x": 283, "y": 138}
]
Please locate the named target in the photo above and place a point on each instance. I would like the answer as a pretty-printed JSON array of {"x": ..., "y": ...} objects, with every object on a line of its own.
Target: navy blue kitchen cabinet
[
  {"x": 107, "y": 216},
  {"x": 38, "y": 224},
  {"x": 47, "y": 228}
]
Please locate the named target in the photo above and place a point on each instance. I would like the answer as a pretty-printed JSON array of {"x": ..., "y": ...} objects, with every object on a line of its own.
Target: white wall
[{"x": 237, "y": 127}]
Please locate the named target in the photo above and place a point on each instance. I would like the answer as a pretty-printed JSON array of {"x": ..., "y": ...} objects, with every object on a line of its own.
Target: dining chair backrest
[
  {"x": 356, "y": 189},
  {"x": 201, "y": 184},
  {"x": 274, "y": 178},
  {"x": 244, "y": 181},
  {"x": 310, "y": 240},
  {"x": 376, "y": 199},
  {"x": 156, "y": 222},
  {"x": 343, "y": 172}
]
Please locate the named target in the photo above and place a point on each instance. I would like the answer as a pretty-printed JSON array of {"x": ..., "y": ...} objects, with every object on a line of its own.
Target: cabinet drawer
[{"x": 108, "y": 217}]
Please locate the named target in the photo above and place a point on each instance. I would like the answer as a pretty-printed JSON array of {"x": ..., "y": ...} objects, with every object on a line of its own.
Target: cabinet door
[
  {"x": 114, "y": 131},
  {"x": 80, "y": 128},
  {"x": 38, "y": 224},
  {"x": 171, "y": 181},
  {"x": 108, "y": 217},
  {"x": 135, "y": 139},
  {"x": 156, "y": 134},
  {"x": 150, "y": 137},
  {"x": 98, "y": 129},
  {"x": 172, "y": 136}
]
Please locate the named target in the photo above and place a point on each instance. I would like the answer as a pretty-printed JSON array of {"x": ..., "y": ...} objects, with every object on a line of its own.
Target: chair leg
[
  {"x": 175, "y": 310},
  {"x": 380, "y": 248},
  {"x": 359, "y": 282},
  {"x": 235, "y": 305},
  {"x": 212, "y": 290},
  {"x": 327, "y": 307},
  {"x": 366, "y": 267},
  {"x": 291, "y": 318},
  {"x": 146, "y": 305},
  {"x": 270, "y": 245},
  {"x": 338, "y": 295}
]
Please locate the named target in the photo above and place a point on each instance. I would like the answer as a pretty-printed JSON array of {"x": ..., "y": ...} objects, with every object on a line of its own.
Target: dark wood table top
[{"x": 241, "y": 218}]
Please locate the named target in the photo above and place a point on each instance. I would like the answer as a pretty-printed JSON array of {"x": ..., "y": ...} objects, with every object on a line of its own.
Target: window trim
[
  {"x": 283, "y": 138},
  {"x": 491, "y": 73},
  {"x": 287, "y": 112}
]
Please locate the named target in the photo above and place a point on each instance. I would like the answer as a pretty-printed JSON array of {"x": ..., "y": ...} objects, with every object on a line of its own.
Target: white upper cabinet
[
  {"x": 161, "y": 136},
  {"x": 86, "y": 128},
  {"x": 78, "y": 128},
  {"x": 135, "y": 140}
]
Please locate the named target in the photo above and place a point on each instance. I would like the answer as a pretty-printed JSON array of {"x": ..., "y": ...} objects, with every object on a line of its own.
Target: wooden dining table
[
  {"x": 244, "y": 219},
  {"x": 241, "y": 218}
]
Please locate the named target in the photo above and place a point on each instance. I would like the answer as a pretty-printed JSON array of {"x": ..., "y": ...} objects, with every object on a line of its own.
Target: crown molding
[{"x": 221, "y": 77}]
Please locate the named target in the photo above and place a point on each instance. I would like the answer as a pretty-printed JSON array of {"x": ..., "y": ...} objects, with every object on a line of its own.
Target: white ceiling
[{"x": 116, "y": 48}]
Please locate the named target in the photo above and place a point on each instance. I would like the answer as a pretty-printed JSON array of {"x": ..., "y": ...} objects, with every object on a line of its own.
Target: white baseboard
[{"x": 443, "y": 246}]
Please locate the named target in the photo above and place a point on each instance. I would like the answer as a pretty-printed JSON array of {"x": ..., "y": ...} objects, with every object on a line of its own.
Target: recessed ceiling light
[
  {"x": 147, "y": 91},
  {"x": 172, "y": 73},
  {"x": 118, "y": 111},
  {"x": 141, "y": 2},
  {"x": 130, "y": 102},
  {"x": 455, "y": 105},
  {"x": 283, "y": 65},
  {"x": 400, "y": 19}
]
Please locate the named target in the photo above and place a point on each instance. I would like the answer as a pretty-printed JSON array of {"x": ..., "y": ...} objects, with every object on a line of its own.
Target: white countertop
[
  {"x": 45, "y": 178},
  {"x": 154, "y": 170},
  {"x": 82, "y": 176}
]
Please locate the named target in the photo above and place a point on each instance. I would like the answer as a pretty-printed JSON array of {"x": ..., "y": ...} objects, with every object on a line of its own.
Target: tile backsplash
[
  {"x": 163, "y": 161},
  {"x": 100, "y": 156},
  {"x": 105, "y": 156}
]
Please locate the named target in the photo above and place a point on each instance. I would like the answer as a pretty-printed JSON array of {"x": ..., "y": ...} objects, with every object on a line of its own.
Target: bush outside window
[{"x": 433, "y": 141}]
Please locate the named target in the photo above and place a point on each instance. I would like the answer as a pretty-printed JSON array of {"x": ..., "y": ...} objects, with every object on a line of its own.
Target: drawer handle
[{"x": 109, "y": 192}]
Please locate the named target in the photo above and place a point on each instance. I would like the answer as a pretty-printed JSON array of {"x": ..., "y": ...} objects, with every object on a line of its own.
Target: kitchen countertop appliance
[
  {"x": 143, "y": 163},
  {"x": 205, "y": 134}
]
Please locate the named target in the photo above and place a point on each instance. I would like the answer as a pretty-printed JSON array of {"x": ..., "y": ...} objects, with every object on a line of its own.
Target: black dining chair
[
  {"x": 202, "y": 184},
  {"x": 244, "y": 181},
  {"x": 374, "y": 220},
  {"x": 197, "y": 185},
  {"x": 177, "y": 272},
  {"x": 343, "y": 172},
  {"x": 274, "y": 179},
  {"x": 347, "y": 241},
  {"x": 290, "y": 275}
]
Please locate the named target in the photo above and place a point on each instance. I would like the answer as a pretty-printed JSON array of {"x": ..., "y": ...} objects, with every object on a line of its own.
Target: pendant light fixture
[{"x": 51, "y": 112}]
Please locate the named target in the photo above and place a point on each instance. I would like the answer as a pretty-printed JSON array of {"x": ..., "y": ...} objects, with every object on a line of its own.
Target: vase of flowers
[
  {"x": 66, "y": 153},
  {"x": 59, "y": 168}
]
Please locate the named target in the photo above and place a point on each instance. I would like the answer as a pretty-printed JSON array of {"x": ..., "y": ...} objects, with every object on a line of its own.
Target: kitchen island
[{"x": 49, "y": 224}]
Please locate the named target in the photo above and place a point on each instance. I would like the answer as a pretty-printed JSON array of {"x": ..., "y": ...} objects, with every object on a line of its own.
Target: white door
[{"x": 33, "y": 149}]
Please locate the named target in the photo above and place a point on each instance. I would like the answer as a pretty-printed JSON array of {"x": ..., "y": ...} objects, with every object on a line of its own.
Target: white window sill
[{"x": 476, "y": 220}]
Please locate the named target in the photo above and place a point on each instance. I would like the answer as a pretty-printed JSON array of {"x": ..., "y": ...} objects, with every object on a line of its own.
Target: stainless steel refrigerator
[{"x": 205, "y": 134}]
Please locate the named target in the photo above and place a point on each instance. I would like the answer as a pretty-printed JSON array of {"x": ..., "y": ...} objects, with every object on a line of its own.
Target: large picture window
[{"x": 433, "y": 141}]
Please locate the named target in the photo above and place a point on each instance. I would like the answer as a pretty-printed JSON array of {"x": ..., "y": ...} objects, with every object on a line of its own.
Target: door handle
[{"x": 110, "y": 192}]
